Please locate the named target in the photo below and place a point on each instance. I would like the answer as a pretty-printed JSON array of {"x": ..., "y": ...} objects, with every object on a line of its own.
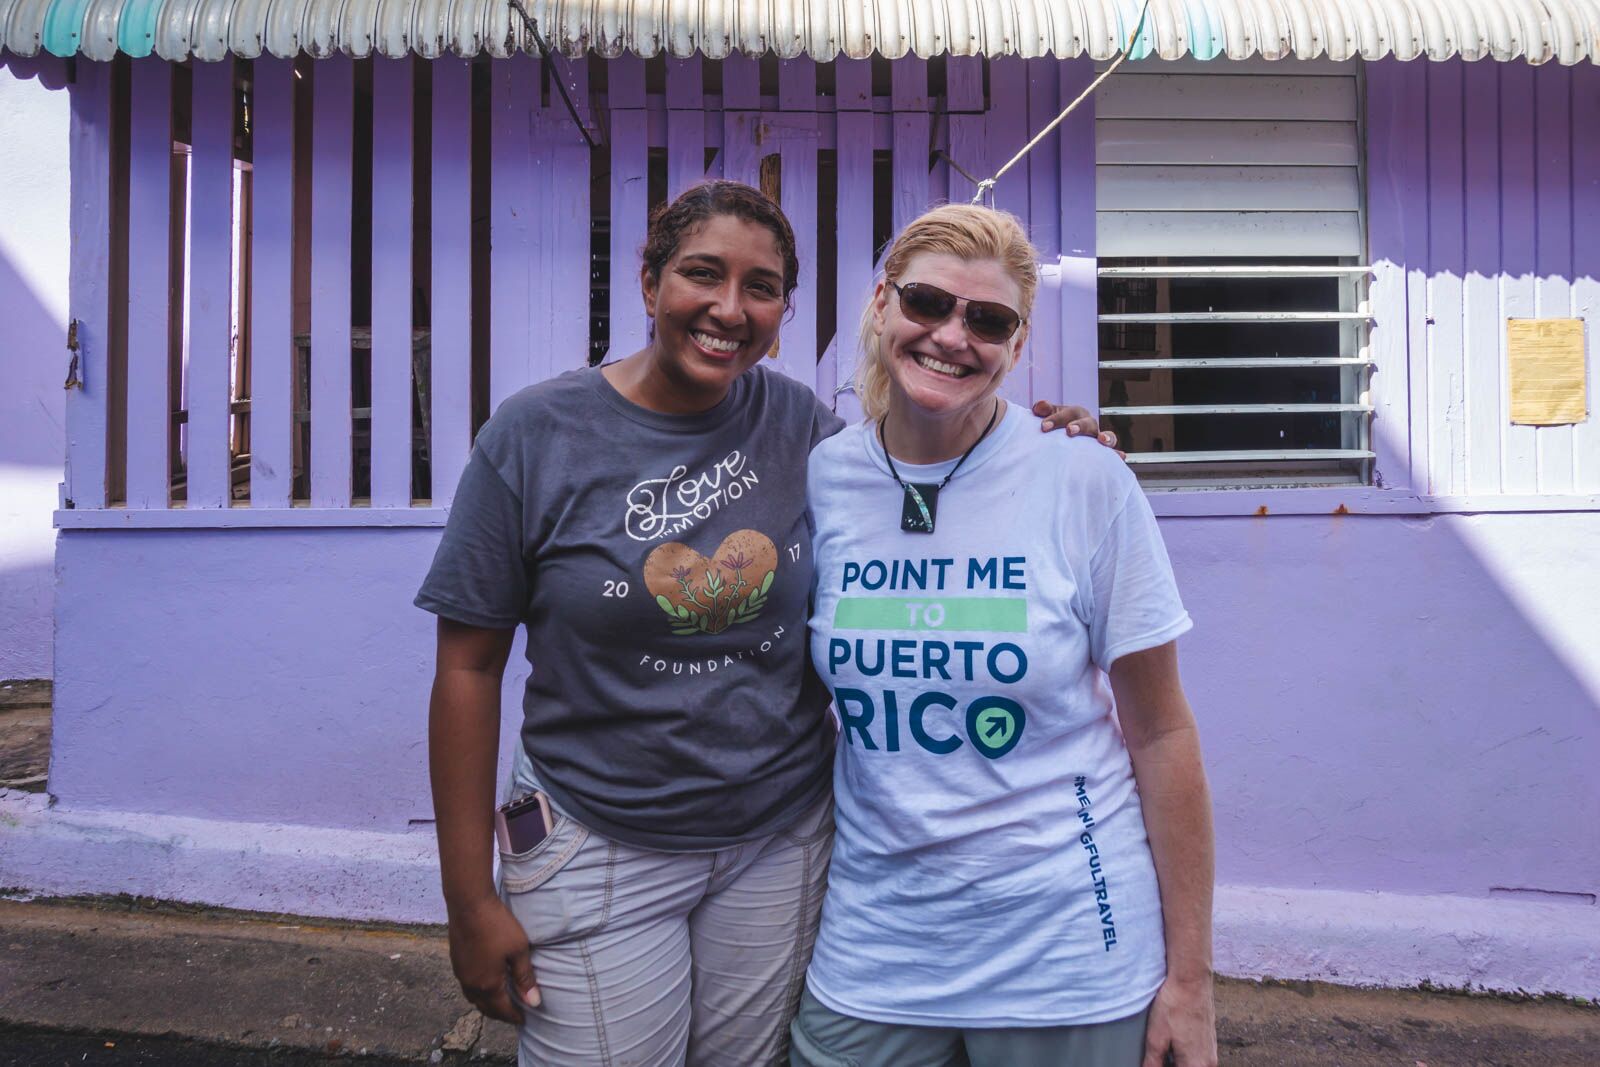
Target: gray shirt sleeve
[
  {"x": 479, "y": 575},
  {"x": 824, "y": 423}
]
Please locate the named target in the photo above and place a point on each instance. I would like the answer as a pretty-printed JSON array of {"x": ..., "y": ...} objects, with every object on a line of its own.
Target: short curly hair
[{"x": 670, "y": 222}]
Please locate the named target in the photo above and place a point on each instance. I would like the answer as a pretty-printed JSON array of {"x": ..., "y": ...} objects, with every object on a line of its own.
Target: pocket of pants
[
  {"x": 523, "y": 872},
  {"x": 805, "y": 1049},
  {"x": 815, "y": 824},
  {"x": 561, "y": 888}
]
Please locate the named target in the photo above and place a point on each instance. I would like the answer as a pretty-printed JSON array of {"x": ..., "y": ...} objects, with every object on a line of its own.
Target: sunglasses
[{"x": 929, "y": 305}]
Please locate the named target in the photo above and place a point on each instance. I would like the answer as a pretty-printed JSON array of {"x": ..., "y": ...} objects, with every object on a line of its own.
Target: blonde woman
[{"x": 1015, "y": 880}]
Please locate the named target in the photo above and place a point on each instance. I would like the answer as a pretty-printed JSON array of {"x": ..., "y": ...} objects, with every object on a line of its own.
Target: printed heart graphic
[{"x": 701, "y": 595}]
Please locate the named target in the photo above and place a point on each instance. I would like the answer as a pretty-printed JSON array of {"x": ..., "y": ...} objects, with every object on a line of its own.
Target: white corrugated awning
[{"x": 1535, "y": 30}]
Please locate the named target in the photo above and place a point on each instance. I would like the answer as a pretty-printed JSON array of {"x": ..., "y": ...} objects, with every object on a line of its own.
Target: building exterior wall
[
  {"x": 1397, "y": 685},
  {"x": 33, "y": 362},
  {"x": 1402, "y": 704},
  {"x": 1484, "y": 205}
]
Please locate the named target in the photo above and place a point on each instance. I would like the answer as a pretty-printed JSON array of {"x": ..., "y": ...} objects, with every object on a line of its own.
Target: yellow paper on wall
[{"x": 1545, "y": 359}]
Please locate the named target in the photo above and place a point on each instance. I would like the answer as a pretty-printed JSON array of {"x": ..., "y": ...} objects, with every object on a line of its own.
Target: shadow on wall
[
  {"x": 1398, "y": 703},
  {"x": 34, "y": 235},
  {"x": 49, "y": 71},
  {"x": 33, "y": 361}
]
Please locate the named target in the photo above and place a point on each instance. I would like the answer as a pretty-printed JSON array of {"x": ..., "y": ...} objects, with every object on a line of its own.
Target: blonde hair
[{"x": 965, "y": 231}]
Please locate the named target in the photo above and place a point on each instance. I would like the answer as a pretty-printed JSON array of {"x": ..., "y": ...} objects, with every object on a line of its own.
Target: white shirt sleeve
[{"x": 1135, "y": 597}]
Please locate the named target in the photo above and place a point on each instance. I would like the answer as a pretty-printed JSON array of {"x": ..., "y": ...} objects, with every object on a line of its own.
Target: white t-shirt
[{"x": 991, "y": 866}]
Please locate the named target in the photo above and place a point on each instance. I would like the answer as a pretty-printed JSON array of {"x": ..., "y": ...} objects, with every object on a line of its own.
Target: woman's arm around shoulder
[{"x": 1164, "y": 746}]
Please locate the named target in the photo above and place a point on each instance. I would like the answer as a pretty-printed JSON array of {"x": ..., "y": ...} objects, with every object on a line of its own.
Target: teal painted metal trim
[
  {"x": 1205, "y": 38},
  {"x": 63, "y": 27},
  {"x": 1128, "y": 19},
  {"x": 136, "y": 29}
]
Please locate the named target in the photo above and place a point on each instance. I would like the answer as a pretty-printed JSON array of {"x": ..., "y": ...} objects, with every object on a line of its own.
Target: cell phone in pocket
[{"x": 522, "y": 822}]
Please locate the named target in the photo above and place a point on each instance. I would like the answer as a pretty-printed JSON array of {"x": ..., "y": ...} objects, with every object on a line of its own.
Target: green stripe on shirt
[{"x": 986, "y": 614}]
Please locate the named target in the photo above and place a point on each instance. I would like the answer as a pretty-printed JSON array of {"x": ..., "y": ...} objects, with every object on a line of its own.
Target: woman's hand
[
  {"x": 1077, "y": 420},
  {"x": 1183, "y": 1023},
  {"x": 490, "y": 955}
]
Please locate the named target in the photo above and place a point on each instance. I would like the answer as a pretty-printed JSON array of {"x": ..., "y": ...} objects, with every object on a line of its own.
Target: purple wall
[
  {"x": 254, "y": 675},
  {"x": 1402, "y": 704},
  {"x": 33, "y": 308}
]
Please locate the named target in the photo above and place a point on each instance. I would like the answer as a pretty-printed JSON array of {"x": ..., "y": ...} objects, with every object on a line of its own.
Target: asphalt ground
[{"x": 125, "y": 981}]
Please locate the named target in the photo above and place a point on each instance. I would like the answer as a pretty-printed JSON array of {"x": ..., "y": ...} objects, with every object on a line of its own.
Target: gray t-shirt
[{"x": 662, "y": 565}]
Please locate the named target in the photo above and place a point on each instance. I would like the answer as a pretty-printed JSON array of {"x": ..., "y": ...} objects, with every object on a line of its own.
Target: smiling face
[
  {"x": 717, "y": 305},
  {"x": 942, "y": 371}
]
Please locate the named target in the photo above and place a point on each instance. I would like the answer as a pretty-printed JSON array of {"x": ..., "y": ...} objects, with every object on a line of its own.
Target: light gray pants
[
  {"x": 826, "y": 1038},
  {"x": 659, "y": 959}
]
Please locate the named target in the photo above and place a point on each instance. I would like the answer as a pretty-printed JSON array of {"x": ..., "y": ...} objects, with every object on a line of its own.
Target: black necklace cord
[{"x": 890, "y": 459}]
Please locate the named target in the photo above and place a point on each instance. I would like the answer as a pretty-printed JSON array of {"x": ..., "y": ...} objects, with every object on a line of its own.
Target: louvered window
[{"x": 1232, "y": 292}]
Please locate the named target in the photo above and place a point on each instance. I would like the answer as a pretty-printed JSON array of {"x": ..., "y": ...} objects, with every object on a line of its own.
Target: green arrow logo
[{"x": 994, "y": 725}]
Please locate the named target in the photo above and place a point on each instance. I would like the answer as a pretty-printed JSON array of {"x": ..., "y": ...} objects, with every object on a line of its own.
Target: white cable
[{"x": 988, "y": 184}]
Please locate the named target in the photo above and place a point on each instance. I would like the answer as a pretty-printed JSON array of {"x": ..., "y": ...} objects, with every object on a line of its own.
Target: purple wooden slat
[
  {"x": 1078, "y": 283},
  {"x": 969, "y": 146},
  {"x": 1043, "y": 356},
  {"x": 686, "y": 127},
  {"x": 854, "y": 253},
  {"x": 1586, "y": 263},
  {"x": 741, "y": 82},
  {"x": 1044, "y": 226},
  {"x": 909, "y": 83},
  {"x": 741, "y": 155},
  {"x": 210, "y": 280},
  {"x": 88, "y": 282},
  {"x": 797, "y": 92},
  {"x": 964, "y": 134},
  {"x": 852, "y": 84},
  {"x": 1008, "y": 130},
  {"x": 797, "y": 84},
  {"x": 451, "y": 310},
  {"x": 630, "y": 202},
  {"x": 391, "y": 282},
  {"x": 1553, "y": 179},
  {"x": 149, "y": 237},
  {"x": 1395, "y": 194},
  {"x": 515, "y": 202},
  {"x": 1413, "y": 163},
  {"x": 1554, "y": 252},
  {"x": 797, "y": 349},
  {"x": 1518, "y": 252},
  {"x": 1446, "y": 268},
  {"x": 741, "y": 99},
  {"x": 562, "y": 229},
  {"x": 1075, "y": 152},
  {"x": 1482, "y": 327},
  {"x": 331, "y": 178},
  {"x": 711, "y": 130},
  {"x": 271, "y": 274}
]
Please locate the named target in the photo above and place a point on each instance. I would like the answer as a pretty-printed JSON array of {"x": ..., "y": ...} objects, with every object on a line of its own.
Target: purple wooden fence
[{"x": 289, "y": 406}]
